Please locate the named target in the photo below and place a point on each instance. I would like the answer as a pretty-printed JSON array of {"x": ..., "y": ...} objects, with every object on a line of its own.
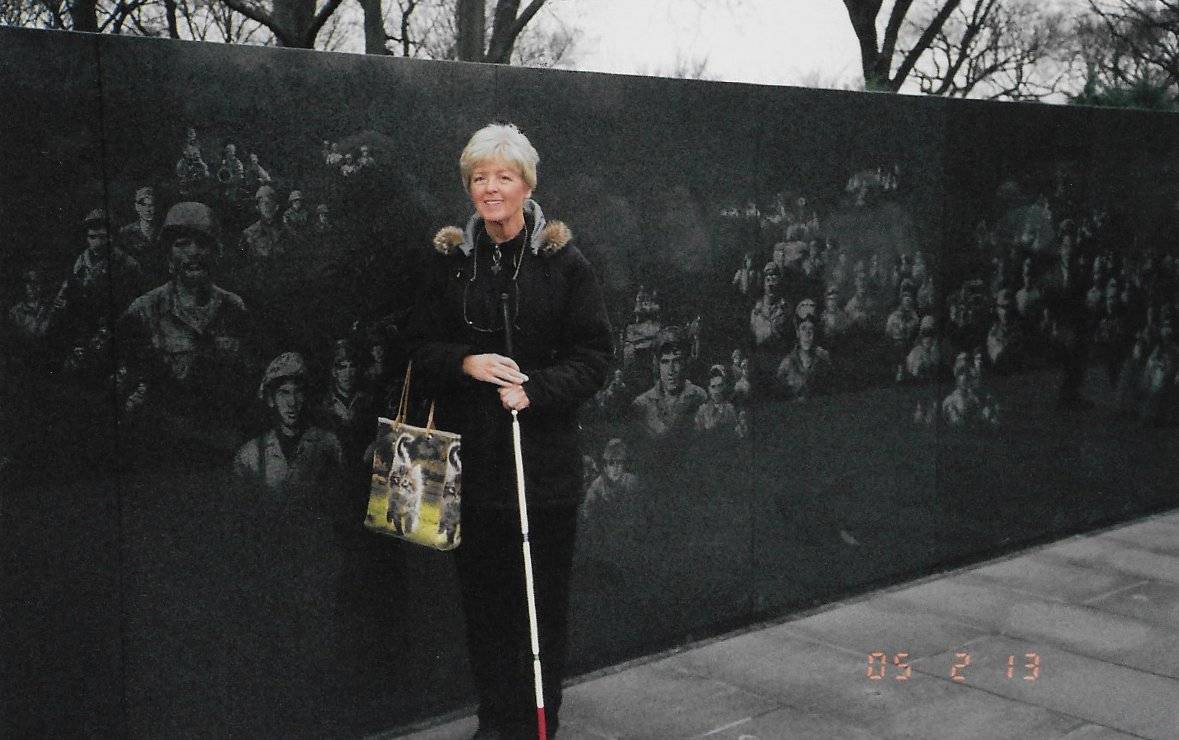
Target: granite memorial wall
[{"x": 860, "y": 338}]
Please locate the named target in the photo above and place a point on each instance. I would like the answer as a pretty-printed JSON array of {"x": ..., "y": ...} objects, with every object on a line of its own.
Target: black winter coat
[{"x": 562, "y": 342}]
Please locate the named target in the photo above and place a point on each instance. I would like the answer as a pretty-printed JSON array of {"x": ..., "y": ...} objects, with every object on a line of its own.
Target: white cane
[
  {"x": 529, "y": 587},
  {"x": 534, "y": 629}
]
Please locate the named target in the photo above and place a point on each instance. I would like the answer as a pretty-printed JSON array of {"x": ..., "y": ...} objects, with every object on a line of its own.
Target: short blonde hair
[{"x": 499, "y": 141}]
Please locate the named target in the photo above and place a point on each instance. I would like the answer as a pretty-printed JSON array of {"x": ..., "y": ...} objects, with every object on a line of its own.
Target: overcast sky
[{"x": 799, "y": 42}]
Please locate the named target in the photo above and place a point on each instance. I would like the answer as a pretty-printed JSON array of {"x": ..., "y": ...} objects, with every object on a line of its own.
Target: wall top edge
[{"x": 938, "y": 103}]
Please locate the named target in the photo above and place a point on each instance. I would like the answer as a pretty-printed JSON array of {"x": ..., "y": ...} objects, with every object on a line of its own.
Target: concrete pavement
[{"x": 1078, "y": 639}]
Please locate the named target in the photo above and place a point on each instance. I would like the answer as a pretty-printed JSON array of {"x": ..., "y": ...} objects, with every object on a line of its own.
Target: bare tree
[
  {"x": 1129, "y": 50},
  {"x": 508, "y": 21},
  {"x": 31, "y": 14},
  {"x": 294, "y": 23},
  {"x": 434, "y": 29},
  {"x": 1013, "y": 50},
  {"x": 110, "y": 16},
  {"x": 428, "y": 29},
  {"x": 877, "y": 55}
]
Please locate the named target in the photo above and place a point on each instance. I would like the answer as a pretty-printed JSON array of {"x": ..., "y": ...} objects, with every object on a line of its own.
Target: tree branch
[
  {"x": 935, "y": 26},
  {"x": 504, "y": 38},
  {"x": 862, "y": 14},
  {"x": 261, "y": 16},
  {"x": 895, "y": 19},
  {"x": 317, "y": 22}
]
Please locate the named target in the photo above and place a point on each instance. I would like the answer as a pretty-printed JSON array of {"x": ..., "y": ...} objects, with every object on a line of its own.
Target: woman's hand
[
  {"x": 493, "y": 368},
  {"x": 513, "y": 398}
]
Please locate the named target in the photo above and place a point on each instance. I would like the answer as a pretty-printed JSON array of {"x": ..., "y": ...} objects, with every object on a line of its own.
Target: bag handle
[{"x": 403, "y": 404}]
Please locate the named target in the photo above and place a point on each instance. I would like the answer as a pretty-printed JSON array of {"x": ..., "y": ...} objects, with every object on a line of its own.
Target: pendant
[{"x": 497, "y": 257}]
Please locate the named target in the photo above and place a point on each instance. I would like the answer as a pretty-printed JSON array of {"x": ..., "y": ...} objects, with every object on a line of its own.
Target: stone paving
[{"x": 1078, "y": 639}]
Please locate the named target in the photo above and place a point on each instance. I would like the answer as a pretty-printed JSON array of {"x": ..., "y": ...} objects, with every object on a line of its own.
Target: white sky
[{"x": 797, "y": 42}]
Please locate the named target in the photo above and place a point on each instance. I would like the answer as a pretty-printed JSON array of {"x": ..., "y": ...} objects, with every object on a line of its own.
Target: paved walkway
[{"x": 1078, "y": 639}]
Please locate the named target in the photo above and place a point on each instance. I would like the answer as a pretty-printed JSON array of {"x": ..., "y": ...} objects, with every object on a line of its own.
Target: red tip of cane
[{"x": 542, "y": 730}]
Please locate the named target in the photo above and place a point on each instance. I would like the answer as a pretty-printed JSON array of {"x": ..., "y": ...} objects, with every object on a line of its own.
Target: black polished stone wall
[{"x": 150, "y": 591}]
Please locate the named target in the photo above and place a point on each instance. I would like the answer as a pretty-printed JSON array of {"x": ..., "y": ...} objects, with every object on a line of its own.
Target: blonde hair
[{"x": 499, "y": 141}]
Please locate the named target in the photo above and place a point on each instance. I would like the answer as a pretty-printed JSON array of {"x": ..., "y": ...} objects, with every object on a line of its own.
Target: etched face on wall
[
  {"x": 718, "y": 389},
  {"x": 344, "y": 373},
  {"x": 287, "y": 400},
  {"x": 267, "y": 206},
  {"x": 671, "y": 370},
  {"x": 97, "y": 239},
  {"x": 806, "y": 335},
  {"x": 145, "y": 205},
  {"x": 191, "y": 261}
]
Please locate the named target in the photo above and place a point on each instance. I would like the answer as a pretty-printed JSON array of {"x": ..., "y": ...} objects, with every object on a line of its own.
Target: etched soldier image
[
  {"x": 718, "y": 415},
  {"x": 293, "y": 456},
  {"x": 833, "y": 321},
  {"x": 925, "y": 357},
  {"x": 192, "y": 174},
  {"x": 187, "y": 340},
  {"x": 1065, "y": 292},
  {"x": 747, "y": 278},
  {"x": 332, "y": 156},
  {"x": 103, "y": 280},
  {"x": 738, "y": 371},
  {"x": 138, "y": 238},
  {"x": 901, "y": 327},
  {"x": 323, "y": 220},
  {"x": 862, "y": 308},
  {"x": 961, "y": 406},
  {"x": 1111, "y": 339},
  {"x": 839, "y": 271},
  {"x": 669, "y": 407},
  {"x": 968, "y": 405},
  {"x": 806, "y": 371},
  {"x": 265, "y": 237},
  {"x": 256, "y": 175},
  {"x": 769, "y": 321},
  {"x": 1160, "y": 378},
  {"x": 31, "y": 318},
  {"x": 365, "y": 160},
  {"x": 345, "y": 408},
  {"x": 615, "y": 485},
  {"x": 1029, "y": 299},
  {"x": 641, "y": 334},
  {"x": 231, "y": 174},
  {"x": 1005, "y": 340},
  {"x": 614, "y": 510},
  {"x": 613, "y": 401},
  {"x": 788, "y": 254},
  {"x": 285, "y": 484},
  {"x": 296, "y": 218}
]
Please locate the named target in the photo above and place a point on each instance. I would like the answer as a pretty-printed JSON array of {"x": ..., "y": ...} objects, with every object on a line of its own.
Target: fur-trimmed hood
[{"x": 548, "y": 237}]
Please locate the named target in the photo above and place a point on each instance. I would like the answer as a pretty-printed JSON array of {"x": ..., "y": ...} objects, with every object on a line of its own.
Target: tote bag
[{"x": 416, "y": 489}]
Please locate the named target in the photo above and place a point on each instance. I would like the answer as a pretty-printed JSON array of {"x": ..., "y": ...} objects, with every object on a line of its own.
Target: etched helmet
[{"x": 284, "y": 367}]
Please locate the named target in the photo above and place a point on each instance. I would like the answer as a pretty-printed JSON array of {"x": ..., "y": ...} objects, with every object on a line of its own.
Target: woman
[{"x": 561, "y": 352}]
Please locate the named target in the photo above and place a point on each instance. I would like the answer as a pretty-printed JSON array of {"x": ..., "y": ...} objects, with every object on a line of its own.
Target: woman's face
[{"x": 498, "y": 190}]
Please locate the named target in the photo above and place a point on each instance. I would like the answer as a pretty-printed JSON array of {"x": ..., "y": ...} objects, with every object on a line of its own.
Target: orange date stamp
[{"x": 881, "y": 666}]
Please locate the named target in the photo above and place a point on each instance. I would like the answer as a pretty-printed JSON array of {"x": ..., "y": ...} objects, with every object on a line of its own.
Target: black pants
[{"x": 491, "y": 576}]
